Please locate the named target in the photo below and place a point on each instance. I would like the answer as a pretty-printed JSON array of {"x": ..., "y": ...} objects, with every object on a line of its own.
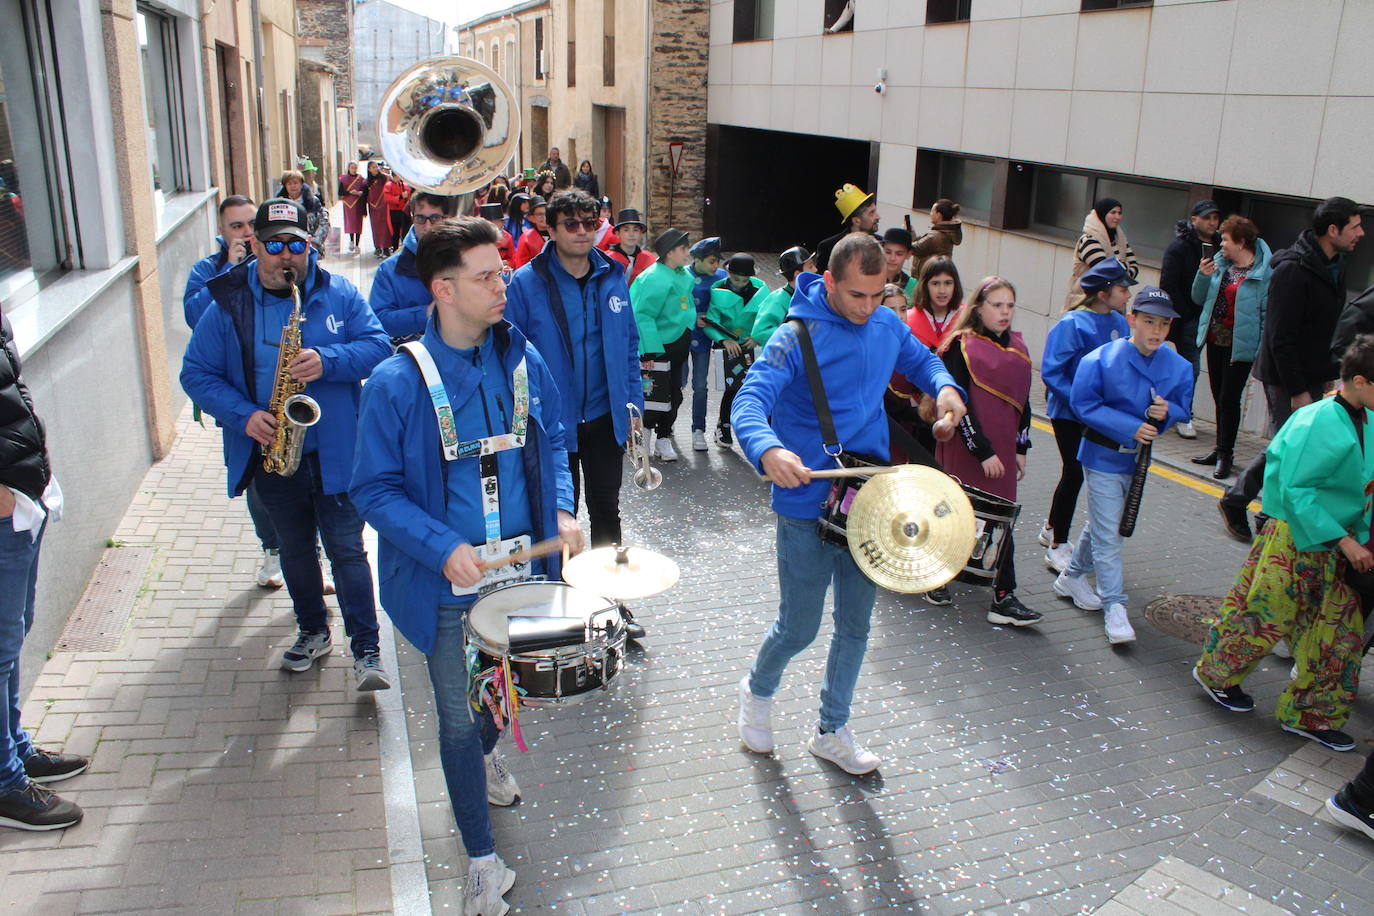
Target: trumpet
[{"x": 647, "y": 477}]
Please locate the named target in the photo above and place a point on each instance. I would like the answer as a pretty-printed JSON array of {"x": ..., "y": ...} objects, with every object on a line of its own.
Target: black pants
[
  {"x": 599, "y": 456},
  {"x": 676, "y": 354},
  {"x": 1006, "y": 565},
  {"x": 1251, "y": 480},
  {"x": 1227, "y": 380},
  {"x": 1067, "y": 436},
  {"x": 736, "y": 367},
  {"x": 400, "y": 225}
]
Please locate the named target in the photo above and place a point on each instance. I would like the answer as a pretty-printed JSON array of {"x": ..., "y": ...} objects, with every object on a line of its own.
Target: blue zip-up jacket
[
  {"x": 701, "y": 292},
  {"x": 398, "y": 296},
  {"x": 218, "y": 371},
  {"x": 856, "y": 362},
  {"x": 535, "y": 305},
  {"x": 1251, "y": 299},
  {"x": 1074, "y": 336},
  {"x": 398, "y": 482},
  {"x": 197, "y": 298},
  {"x": 1111, "y": 392}
]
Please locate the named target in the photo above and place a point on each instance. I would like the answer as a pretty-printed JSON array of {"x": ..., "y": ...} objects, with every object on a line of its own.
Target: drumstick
[
  {"x": 943, "y": 429},
  {"x": 844, "y": 472},
  {"x": 533, "y": 552}
]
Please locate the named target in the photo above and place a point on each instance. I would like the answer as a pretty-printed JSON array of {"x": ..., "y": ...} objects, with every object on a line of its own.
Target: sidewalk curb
[{"x": 406, "y": 854}]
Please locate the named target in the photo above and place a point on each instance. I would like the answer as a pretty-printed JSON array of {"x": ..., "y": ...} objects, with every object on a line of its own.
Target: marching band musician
[
  {"x": 858, "y": 344},
  {"x": 230, "y": 369},
  {"x": 662, "y": 300},
  {"x": 398, "y": 297},
  {"x": 730, "y": 322},
  {"x": 426, "y": 487}
]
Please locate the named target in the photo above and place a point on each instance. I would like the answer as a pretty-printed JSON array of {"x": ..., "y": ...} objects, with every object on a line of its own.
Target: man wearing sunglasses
[
  {"x": 398, "y": 296},
  {"x": 230, "y": 370}
]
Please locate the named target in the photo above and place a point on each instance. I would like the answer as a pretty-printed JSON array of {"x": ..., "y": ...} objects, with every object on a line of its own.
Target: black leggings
[
  {"x": 676, "y": 355},
  {"x": 1067, "y": 436},
  {"x": 1227, "y": 381}
]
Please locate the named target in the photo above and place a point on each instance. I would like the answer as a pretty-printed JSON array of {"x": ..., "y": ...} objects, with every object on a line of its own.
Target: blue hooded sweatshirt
[
  {"x": 398, "y": 482},
  {"x": 197, "y": 298},
  {"x": 856, "y": 363},
  {"x": 221, "y": 368},
  {"x": 1074, "y": 336},
  {"x": 398, "y": 296}
]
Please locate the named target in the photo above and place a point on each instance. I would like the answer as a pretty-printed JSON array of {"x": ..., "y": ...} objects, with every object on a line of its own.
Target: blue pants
[
  {"x": 1099, "y": 545},
  {"x": 262, "y": 523},
  {"x": 701, "y": 368},
  {"x": 18, "y": 583},
  {"x": 807, "y": 566},
  {"x": 465, "y": 736}
]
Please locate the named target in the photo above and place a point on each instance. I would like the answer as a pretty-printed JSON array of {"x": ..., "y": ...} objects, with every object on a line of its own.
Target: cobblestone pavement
[{"x": 1032, "y": 771}]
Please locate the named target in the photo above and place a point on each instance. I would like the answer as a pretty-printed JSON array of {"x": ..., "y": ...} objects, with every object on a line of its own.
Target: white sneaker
[
  {"x": 699, "y": 440},
  {"x": 839, "y": 748},
  {"x": 488, "y": 881},
  {"x": 328, "y": 581},
  {"x": 1186, "y": 430},
  {"x": 1118, "y": 625},
  {"x": 755, "y": 730},
  {"x": 665, "y": 450},
  {"x": 502, "y": 789},
  {"x": 269, "y": 573},
  {"x": 1077, "y": 589},
  {"x": 1046, "y": 537},
  {"x": 1281, "y": 649},
  {"x": 1057, "y": 558}
]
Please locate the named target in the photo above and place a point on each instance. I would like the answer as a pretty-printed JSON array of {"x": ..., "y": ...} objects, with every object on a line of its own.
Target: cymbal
[
  {"x": 621, "y": 573},
  {"x": 911, "y": 530}
]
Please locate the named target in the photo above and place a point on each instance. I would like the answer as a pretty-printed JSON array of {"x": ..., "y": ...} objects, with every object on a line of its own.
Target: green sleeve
[
  {"x": 647, "y": 295},
  {"x": 721, "y": 311},
  {"x": 1309, "y": 459}
]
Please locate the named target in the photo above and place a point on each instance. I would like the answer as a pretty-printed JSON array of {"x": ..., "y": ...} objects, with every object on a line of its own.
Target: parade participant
[
  {"x": 533, "y": 239},
  {"x": 858, "y": 213},
  {"x": 1195, "y": 238},
  {"x": 293, "y": 187},
  {"x": 230, "y": 369},
  {"x": 664, "y": 312},
  {"x": 729, "y": 322},
  {"x": 605, "y": 234},
  {"x": 706, "y": 273},
  {"x": 516, "y": 209},
  {"x": 429, "y": 511},
  {"x": 378, "y": 216},
  {"x": 234, "y": 246},
  {"x": 935, "y": 302},
  {"x": 773, "y": 308},
  {"x": 857, "y": 345},
  {"x": 494, "y": 214},
  {"x": 353, "y": 196},
  {"x": 628, "y": 251},
  {"x": 946, "y": 231},
  {"x": 1293, "y": 585},
  {"x": 896, "y": 250},
  {"x": 1125, "y": 393},
  {"x": 312, "y": 174},
  {"x": 398, "y": 195},
  {"x": 1353, "y": 805},
  {"x": 571, "y": 301},
  {"x": 1102, "y": 237},
  {"x": 399, "y": 297},
  {"x": 1095, "y": 319},
  {"x": 990, "y": 361},
  {"x": 544, "y": 185},
  {"x": 30, "y": 497}
]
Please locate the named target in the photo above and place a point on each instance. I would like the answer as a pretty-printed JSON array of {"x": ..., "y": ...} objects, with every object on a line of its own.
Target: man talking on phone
[
  {"x": 235, "y": 230},
  {"x": 1196, "y": 239}
]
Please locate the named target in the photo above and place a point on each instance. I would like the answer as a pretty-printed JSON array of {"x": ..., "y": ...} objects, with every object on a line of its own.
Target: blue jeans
[
  {"x": 262, "y": 523},
  {"x": 298, "y": 508},
  {"x": 465, "y": 736},
  {"x": 701, "y": 368},
  {"x": 18, "y": 582},
  {"x": 1099, "y": 545},
  {"x": 807, "y": 566}
]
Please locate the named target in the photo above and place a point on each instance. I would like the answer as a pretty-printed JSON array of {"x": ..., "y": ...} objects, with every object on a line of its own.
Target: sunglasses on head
[
  {"x": 589, "y": 224},
  {"x": 295, "y": 246}
]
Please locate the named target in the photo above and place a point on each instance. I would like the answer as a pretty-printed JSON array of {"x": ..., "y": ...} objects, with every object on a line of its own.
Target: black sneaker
[
  {"x": 49, "y": 766},
  {"x": 32, "y": 807},
  {"x": 723, "y": 437},
  {"x": 1232, "y": 698},
  {"x": 1327, "y": 737},
  {"x": 1008, "y": 611},
  {"x": 1236, "y": 520},
  {"x": 938, "y": 596},
  {"x": 1345, "y": 812}
]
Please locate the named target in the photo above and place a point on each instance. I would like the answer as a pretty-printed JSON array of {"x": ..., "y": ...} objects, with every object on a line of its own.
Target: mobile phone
[{"x": 1208, "y": 249}]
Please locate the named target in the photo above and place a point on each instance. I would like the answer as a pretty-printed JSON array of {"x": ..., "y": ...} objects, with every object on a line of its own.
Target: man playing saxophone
[{"x": 231, "y": 370}]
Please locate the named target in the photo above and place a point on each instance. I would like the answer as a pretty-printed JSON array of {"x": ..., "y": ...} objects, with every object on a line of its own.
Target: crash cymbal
[
  {"x": 621, "y": 573},
  {"x": 911, "y": 530}
]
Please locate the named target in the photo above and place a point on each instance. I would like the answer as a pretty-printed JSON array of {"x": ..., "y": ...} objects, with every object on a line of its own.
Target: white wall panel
[
  {"x": 901, "y": 115},
  {"x": 940, "y": 124},
  {"x": 1045, "y": 52},
  {"x": 995, "y": 9},
  {"x": 1048, "y": 7},
  {"x": 903, "y": 56},
  {"x": 1350, "y": 68},
  {"x": 1285, "y": 128},
  {"x": 865, "y": 114},
  {"x": 719, "y": 66},
  {"x": 1039, "y": 125},
  {"x": 896, "y": 178},
  {"x": 871, "y": 15},
  {"x": 904, "y": 13},
  {"x": 1102, "y": 130},
  {"x": 987, "y": 122},
  {"x": 722, "y": 24},
  {"x": 1111, "y": 50},
  {"x": 1162, "y": 152},
  {"x": 837, "y": 52},
  {"x": 781, "y": 102},
  {"x": 1284, "y": 48},
  {"x": 808, "y": 66},
  {"x": 942, "y": 58},
  {"x": 753, "y": 63},
  {"x": 1189, "y": 47},
  {"x": 1343, "y": 156},
  {"x": 869, "y": 53},
  {"x": 992, "y": 54},
  {"x": 784, "y": 69}
]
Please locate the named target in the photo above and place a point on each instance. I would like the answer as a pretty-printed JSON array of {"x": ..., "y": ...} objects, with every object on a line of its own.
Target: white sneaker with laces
[
  {"x": 755, "y": 729},
  {"x": 269, "y": 573},
  {"x": 1187, "y": 430},
  {"x": 488, "y": 881},
  {"x": 1057, "y": 558},
  {"x": 327, "y": 580},
  {"x": 1118, "y": 625},
  {"x": 699, "y": 440},
  {"x": 1046, "y": 537},
  {"x": 840, "y": 749},
  {"x": 502, "y": 789},
  {"x": 1077, "y": 589},
  {"x": 665, "y": 450}
]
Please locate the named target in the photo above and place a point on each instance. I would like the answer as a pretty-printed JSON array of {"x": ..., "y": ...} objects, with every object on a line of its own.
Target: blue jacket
[
  {"x": 701, "y": 292},
  {"x": 1074, "y": 336},
  {"x": 1111, "y": 392},
  {"x": 856, "y": 364},
  {"x": 1251, "y": 299},
  {"x": 398, "y": 483},
  {"x": 218, "y": 369},
  {"x": 197, "y": 298},
  {"x": 398, "y": 296},
  {"x": 533, "y": 305}
]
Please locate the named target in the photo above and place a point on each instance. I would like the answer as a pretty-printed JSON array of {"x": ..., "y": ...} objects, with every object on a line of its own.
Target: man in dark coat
[
  {"x": 1176, "y": 274},
  {"x": 562, "y": 178},
  {"x": 1306, "y": 294},
  {"x": 858, "y": 213}
]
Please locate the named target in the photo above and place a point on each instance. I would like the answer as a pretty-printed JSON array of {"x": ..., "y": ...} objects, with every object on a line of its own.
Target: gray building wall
[{"x": 386, "y": 41}]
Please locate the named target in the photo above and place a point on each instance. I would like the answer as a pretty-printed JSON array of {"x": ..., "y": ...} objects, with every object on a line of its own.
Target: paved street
[{"x": 1034, "y": 771}]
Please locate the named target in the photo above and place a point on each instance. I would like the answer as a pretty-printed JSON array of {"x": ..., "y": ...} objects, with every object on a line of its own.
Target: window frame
[
  {"x": 1106, "y": 6},
  {"x": 167, "y": 95},
  {"x": 930, "y": 171},
  {"x": 936, "y": 14}
]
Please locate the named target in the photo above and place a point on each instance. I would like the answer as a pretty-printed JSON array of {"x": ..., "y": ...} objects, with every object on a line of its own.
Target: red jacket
[
  {"x": 531, "y": 243},
  {"x": 642, "y": 261},
  {"x": 506, "y": 246},
  {"x": 397, "y": 195}
]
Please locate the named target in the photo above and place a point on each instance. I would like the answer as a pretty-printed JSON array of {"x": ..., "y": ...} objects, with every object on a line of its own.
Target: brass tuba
[
  {"x": 293, "y": 410},
  {"x": 448, "y": 125}
]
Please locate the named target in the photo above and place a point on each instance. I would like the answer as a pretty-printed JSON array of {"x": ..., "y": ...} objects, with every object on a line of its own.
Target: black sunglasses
[{"x": 589, "y": 224}]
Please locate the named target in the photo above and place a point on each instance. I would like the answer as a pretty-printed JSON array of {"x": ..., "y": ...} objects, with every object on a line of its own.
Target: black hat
[
  {"x": 1205, "y": 208},
  {"x": 492, "y": 211},
  {"x": 707, "y": 248},
  {"x": 280, "y": 216},
  {"x": 791, "y": 260},
  {"x": 630, "y": 215},
  {"x": 667, "y": 240},
  {"x": 741, "y": 265},
  {"x": 536, "y": 202},
  {"x": 897, "y": 236},
  {"x": 606, "y": 203},
  {"x": 1154, "y": 301}
]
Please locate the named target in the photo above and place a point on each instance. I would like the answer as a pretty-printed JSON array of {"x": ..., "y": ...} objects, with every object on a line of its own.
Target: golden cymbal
[
  {"x": 621, "y": 573},
  {"x": 911, "y": 530}
]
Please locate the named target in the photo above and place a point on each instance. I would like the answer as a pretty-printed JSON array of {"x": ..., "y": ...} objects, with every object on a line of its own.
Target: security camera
[{"x": 880, "y": 88}]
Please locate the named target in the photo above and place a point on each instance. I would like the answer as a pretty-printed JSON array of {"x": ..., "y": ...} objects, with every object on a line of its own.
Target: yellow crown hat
[{"x": 850, "y": 200}]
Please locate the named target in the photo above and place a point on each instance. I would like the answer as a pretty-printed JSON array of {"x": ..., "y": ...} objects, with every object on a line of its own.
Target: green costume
[
  {"x": 729, "y": 310},
  {"x": 664, "y": 309},
  {"x": 772, "y": 311}
]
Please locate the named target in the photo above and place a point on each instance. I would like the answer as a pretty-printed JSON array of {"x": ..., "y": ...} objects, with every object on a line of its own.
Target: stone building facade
[
  {"x": 679, "y": 52},
  {"x": 326, "y": 34}
]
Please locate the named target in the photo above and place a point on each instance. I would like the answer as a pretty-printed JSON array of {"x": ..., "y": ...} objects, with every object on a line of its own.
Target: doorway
[
  {"x": 608, "y": 152},
  {"x": 539, "y": 135}
]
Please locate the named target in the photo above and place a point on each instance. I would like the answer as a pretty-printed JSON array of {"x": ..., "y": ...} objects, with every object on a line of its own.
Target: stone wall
[
  {"x": 330, "y": 22},
  {"x": 677, "y": 111}
]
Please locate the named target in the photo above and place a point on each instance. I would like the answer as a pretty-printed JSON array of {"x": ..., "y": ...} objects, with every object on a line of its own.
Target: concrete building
[
  {"x": 386, "y": 41},
  {"x": 1027, "y": 112}
]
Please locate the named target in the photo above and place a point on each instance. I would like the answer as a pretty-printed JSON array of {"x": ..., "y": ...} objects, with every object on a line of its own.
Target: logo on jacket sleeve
[
  {"x": 333, "y": 324},
  {"x": 617, "y": 304}
]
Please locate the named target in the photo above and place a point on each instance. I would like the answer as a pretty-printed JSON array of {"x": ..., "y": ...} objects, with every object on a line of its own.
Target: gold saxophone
[{"x": 294, "y": 410}]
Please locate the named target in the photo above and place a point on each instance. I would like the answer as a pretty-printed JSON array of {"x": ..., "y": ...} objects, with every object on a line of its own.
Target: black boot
[
  {"x": 1223, "y": 469},
  {"x": 1208, "y": 458}
]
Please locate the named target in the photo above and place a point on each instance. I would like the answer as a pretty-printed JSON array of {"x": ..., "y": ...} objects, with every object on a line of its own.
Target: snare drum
[
  {"x": 832, "y": 524},
  {"x": 561, "y": 643},
  {"x": 996, "y": 517}
]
